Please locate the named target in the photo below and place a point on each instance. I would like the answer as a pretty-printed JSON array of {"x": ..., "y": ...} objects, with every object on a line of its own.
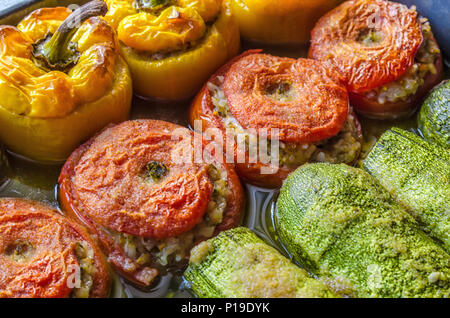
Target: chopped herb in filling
[
  {"x": 408, "y": 84},
  {"x": 173, "y": 250},
  {"x": 85, "y": 257},
  {"x": 20, "y": 251},
  {"x": 156, "y": 170},
  {"x": 371, "y": 37},
  {"x": 282, "y": 92}
]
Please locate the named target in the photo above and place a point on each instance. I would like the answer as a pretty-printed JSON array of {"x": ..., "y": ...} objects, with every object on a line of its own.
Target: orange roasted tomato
[
  {"x": 386, "y": 53},
  {"x": 60, "y": 82},
  {"x": 173, "y": 46},
  {"x": 276, "y": 114},
  {"x": 45, "y": 255},
  {"x": 140, "y": 187},
  {"x": 279, "y": 22}
]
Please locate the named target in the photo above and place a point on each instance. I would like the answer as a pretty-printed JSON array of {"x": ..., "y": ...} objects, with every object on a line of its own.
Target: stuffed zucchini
[
  {"x": 173, "y": 46},
  {"x": 417, "y": 174},
  {"x": 340, "y": 223},
  {"x": 237, "y": 263},
  {"x": 60, "y": 81},
  {"x": 434, "y": 116}
]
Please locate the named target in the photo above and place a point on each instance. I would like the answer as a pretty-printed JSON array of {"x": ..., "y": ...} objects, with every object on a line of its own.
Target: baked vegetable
[
  {"x": 279, "y": 22},
  {"x": 385, "y": 52},
  {"x": 141, "y": 190},
  {"x": 60, "y": 81},
  {"x": 173, "y": 46},
  {"x": 237, "y": 263},
  {"x": 295, "y": 108},
  {"x": 45, "y": 255},
  {"x": 434, "y": 116},
  {"x": 417, "y": 174},
  {"x": 340, "y": 223}
]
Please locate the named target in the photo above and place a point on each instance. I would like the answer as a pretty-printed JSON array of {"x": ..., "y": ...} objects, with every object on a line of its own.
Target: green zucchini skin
[
  {"x": 238, "y": 264},
  {"x": 417, "y": 174},
  {"x": 434, "y": 116},
  {"x": 339, "y": 222}
]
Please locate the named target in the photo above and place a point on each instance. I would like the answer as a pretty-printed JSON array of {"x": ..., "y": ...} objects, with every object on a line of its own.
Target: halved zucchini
[
  {"x": 417, "y": 174},
  {"x": 339, "y": 222},
  {"x": 237, "y": 263},
  {"x": 434, "y": 116}
]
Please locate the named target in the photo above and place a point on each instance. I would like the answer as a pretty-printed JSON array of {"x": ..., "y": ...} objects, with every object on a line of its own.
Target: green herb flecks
[{"x": 156, "y": 170}]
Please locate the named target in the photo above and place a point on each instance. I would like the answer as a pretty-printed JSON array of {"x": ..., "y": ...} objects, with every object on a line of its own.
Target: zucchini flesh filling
[
  {"x": 408, "y": 84},
  {"x": 342, "y": 148},
  {"x": 173, "y": 250}
]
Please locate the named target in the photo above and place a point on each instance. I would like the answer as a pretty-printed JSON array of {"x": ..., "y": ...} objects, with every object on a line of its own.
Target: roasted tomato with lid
[
  {"x": 386, "y": 53},
  {"x": 275, "y": 114},
  {"x": 173, "y": 46},
  {"x": 45, "y": 255},
  {"x": 149, "y": 197},
  {"x": 60, "y": 81}
]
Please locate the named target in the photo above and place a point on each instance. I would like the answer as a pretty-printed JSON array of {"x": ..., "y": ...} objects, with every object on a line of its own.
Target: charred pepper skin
[
  {"x": 46, "y": 113},
  {"x": 339, "y": 222},
  {"x": 173, "y": 48}
]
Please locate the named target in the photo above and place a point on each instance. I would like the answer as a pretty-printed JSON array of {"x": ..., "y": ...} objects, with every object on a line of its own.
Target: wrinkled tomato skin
[
  {"x": 248, "y": 172},
  {"x": 365, "y": 68},
  {"x": 202, "y": 110},
  {"x": 317, "y": 112},
  {"x": 392, "y": 110},
  {"x": 58, "y": 231},
  {"x": 116, "y": 255},
  {"x": 110, "y": 181},
  {"x": 335, "y": 37}
]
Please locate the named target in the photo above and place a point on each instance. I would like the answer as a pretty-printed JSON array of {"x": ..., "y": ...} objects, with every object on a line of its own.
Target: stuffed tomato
[
  {"x": 60, "y": 82},
  {"x": 275, "y": 114},
  {"x": 141, "y": 190},
  {"x": 173, "y": 46},
  {"x": 52, "y": 256},
  {"x": 386, "y": 53}
]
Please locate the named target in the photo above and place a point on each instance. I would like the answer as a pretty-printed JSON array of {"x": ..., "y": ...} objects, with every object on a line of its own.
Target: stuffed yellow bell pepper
[
  {"x": 61, "y": 80},
  {"x": 279, "y": 22},
  {"x": 173, "y": 46}
]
